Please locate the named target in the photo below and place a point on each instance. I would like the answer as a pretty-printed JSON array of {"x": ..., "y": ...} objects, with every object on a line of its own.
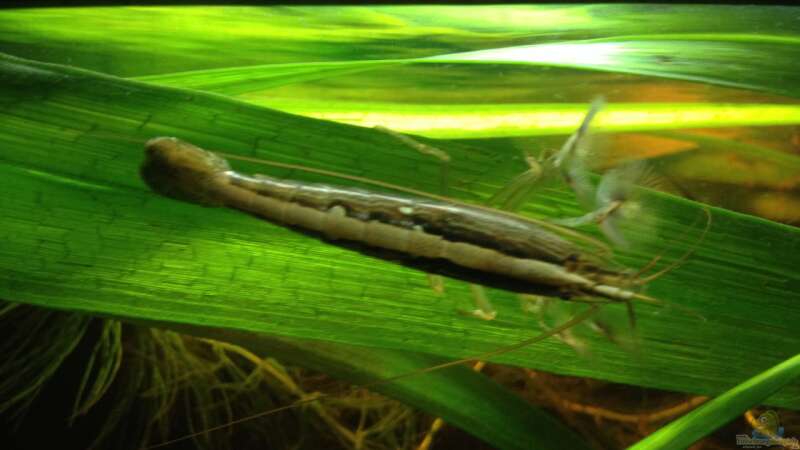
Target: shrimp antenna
[
  {"x": 575, "y": 320},
  {"x": 677, "y": 263},
  {"x": 680, "y": 261}
]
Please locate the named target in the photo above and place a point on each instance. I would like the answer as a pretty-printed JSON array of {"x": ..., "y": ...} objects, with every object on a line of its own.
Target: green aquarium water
[{"x": 136, "y": 320}]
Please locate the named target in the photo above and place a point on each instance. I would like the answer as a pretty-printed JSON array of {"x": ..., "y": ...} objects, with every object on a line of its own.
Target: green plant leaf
[
  {"x": 96, "y": 244},
  {"x": 684, "y": 57},
  {"x": 84, "y": 234},
  {"x": 242, "y": 80},
  {"x": 707, "y": 58},
  {"x": 704, "y": 420}
]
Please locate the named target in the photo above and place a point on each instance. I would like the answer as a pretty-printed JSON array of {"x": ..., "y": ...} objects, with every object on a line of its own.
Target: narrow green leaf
[
  {"x": 241, "y": 80},
  {"x": 704, "y": 420}
]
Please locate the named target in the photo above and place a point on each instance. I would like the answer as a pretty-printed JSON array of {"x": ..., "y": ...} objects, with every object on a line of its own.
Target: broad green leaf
[
  {"x": 71, "y": 153},
  {"x": 702, "y": 58},
  {"x": 93, "y": 192},
  {"x": 707, "y": 58},
  {"x": 83, "y": 233},
  {"x": 270, "y": 35}
]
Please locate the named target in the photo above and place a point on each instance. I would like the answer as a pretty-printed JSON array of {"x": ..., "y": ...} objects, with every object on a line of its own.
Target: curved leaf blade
[
  {"x": 702, "y": 421},
  {"x": 84, "y": 234}
]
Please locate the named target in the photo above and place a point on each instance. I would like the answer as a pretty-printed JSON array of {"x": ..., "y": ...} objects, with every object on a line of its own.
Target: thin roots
[
  {"x": 438, "y": 423},
  {"x": 575, "y": 320}
]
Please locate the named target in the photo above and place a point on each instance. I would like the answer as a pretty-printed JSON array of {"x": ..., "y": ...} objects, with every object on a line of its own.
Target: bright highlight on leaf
[
  {"x": 576, "y": 54},
  {"x": 481, "y": 121}
]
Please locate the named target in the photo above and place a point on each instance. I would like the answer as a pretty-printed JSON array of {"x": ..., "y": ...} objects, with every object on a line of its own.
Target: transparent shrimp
[{"x": 562, "y": 329}]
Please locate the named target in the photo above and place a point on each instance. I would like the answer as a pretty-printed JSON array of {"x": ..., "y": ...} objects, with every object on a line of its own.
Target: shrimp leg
[{"x": 483, "y": 306}]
